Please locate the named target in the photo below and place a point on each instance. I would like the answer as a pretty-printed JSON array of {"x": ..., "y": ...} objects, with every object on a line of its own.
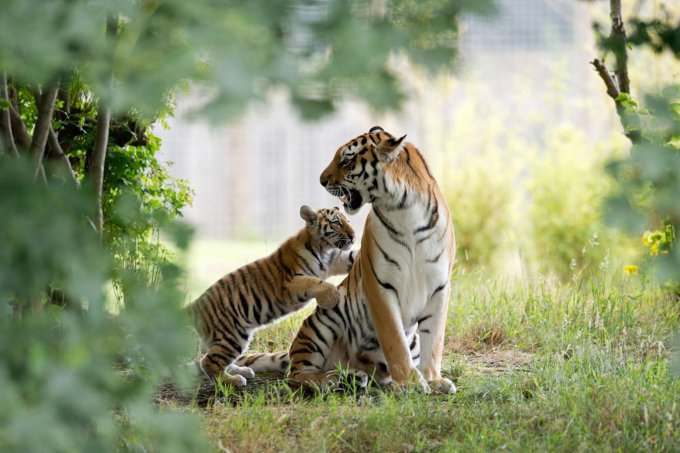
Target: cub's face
[
  {"x": 355, "y": 175},
  {"x": 329, "y": 227},
  {"x": 334, "y": 228}
]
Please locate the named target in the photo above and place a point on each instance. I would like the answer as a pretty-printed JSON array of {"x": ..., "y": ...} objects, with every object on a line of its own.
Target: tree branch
[
  {"x": 6, "y": 121},
  {"x": 19, "y": 127},
  {"x": 617, "y": 42},
  {"x": 56, "y": 149},
  {"x": 603, "y": 72},
  {"x": 43, "y": 125}
]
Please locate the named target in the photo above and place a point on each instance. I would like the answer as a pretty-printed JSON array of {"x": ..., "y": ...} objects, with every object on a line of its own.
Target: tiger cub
[{"x": 259, "y": 293}]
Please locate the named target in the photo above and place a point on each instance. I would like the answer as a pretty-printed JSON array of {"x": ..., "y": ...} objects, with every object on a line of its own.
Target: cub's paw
[
  {"x": 443, "y": 386},
  {"x": 244, "y": 371},
  {"x": 233, "y": 379},
  {"x": 328, "y": 299}
]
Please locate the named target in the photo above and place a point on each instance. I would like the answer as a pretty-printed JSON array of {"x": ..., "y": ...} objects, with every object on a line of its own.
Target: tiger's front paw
[
  {"x": 328, "y": 299},
  {"x": 414, "y": 381},
  {"x": 443, "y": 386}
]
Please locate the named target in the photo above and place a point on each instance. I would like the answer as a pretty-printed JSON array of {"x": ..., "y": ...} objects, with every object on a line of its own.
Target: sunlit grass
[{"x": 540, "y": 365}]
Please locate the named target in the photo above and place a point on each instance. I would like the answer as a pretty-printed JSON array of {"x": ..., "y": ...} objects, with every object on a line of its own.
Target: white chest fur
[{"x": 410, "y": 261}]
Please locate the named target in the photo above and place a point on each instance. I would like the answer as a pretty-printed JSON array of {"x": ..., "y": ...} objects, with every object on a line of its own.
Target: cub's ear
[
  {"x": 390, "y": 148},
  {"x": 308, "y": 215}
]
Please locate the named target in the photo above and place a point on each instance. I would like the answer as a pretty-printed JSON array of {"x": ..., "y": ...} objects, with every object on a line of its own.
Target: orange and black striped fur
[
  {"x": 390, "y": 320},
  {"x": 259, "y": 293}
]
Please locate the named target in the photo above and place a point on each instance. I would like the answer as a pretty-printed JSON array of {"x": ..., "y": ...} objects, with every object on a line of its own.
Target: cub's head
[
  {"x": 329, "y": 227},
  {"x": 355, "y": 174}
]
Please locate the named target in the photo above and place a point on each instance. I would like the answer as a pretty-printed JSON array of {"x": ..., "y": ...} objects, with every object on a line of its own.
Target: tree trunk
[
  {"x": 96, "y": 167},
  {"x": 101, "y": 141}
]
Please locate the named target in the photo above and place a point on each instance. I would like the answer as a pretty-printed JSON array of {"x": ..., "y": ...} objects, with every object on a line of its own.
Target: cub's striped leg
[
  {"x": 244, "y": 371},
  {"x": 431, "y": 327},
  {"x": 265, "y": 362},
  {"x": 326, "y": 294},
  {"x": 219, "y": 356}
]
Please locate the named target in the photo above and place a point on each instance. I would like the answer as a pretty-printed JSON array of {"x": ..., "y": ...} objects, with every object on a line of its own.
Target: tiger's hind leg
[
  {"x": 217, "y": 359},
  {"x": 306, "y": 368},
  {"x": 310, "y": 352}
]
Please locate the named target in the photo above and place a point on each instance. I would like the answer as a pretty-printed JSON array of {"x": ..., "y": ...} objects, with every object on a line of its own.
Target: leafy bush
[
  {"x": 137, "y": 183},
  {"x": 77, "y": 377},
  {"x": 482, "y": 196},
  {"x": 567, "y": 189}
]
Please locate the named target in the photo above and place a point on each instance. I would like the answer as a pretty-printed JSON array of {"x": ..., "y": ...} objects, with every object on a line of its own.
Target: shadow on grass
[{"x": 274, "y": 389}]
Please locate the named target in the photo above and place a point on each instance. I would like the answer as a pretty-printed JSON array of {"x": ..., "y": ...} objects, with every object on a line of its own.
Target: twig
[
  {"x": 42, "y": 126},
  {"x": 6, "y": 120}
]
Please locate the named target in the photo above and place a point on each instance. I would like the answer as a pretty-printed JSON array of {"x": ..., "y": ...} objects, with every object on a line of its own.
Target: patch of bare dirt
[{"x": 498, "y": 361}]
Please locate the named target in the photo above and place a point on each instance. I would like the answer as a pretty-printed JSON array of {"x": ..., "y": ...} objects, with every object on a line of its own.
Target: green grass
[{"x": 539, "y": 366}]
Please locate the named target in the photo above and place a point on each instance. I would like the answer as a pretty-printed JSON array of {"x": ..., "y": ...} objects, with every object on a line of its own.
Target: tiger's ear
[
  {"x": 308, "y": 215},
  {"x": 390, "y": 148}
]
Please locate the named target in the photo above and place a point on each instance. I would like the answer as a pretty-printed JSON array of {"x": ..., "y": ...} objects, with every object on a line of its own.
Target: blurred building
[{"x": 252, "y": 175}]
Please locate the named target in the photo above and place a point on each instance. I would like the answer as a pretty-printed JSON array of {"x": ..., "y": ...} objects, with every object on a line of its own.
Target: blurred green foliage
[
  {"x": 77, "y": 378},
  {"x": 321, "y": 50}
]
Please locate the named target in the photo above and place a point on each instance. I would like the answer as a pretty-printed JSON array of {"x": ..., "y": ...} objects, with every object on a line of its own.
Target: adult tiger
[
  {"x": 397, "y": 292},
  {"x": 261, "y": 292}
]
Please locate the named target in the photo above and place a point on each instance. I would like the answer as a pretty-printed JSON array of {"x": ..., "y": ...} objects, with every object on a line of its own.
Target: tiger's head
[
  {"x": 355, "y": 174},
  {"x": 328, "y": 227}
]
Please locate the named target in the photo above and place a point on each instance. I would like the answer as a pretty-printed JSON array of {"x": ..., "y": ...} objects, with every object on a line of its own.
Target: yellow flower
[
  {"x": 631, "y": 269},
  {"x": 654, "y": 249}
]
